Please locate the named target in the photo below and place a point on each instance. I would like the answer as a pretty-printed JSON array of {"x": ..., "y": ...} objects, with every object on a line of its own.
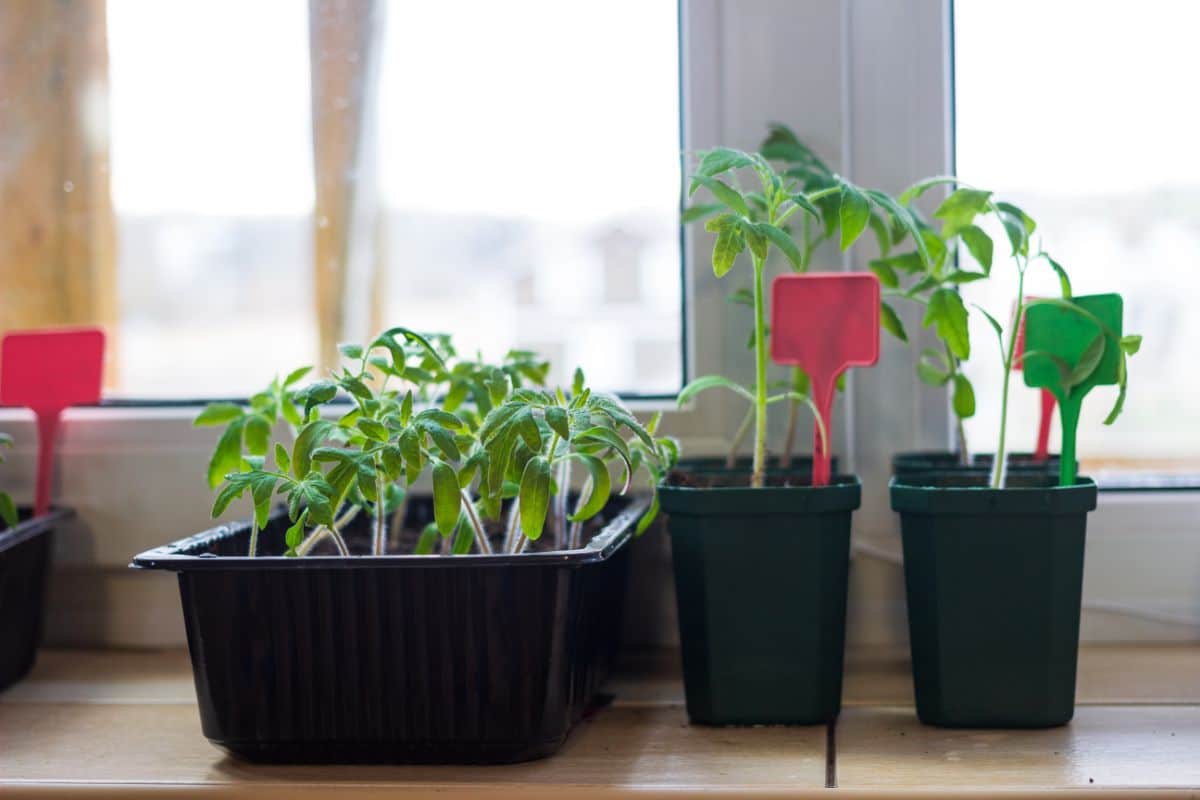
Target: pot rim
[
  {"x": 181, "y": 555},
  {"x": 843, "y": 494},
  {"x": 918, "y": 493}
]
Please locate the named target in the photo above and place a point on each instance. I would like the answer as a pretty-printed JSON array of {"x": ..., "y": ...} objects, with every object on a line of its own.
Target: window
[
  {"x": 288, "y": 175},
  {"x": 1073, "y": 111}
]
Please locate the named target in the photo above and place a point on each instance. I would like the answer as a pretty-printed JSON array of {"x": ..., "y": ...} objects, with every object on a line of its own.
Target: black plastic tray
[
  {"x": 399, "y": 658},
  {"x": 24, "y": 563}
]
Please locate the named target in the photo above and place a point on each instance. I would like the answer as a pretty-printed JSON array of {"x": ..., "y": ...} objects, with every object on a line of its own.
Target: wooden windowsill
[{"x": 115, "y": 724}]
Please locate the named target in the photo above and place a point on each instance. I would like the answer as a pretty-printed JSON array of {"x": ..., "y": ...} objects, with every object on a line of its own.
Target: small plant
[
  {"x": 757, "y": 221},
  {"x": 8, "y": 509},
  {"x": 484, "y": 444}
]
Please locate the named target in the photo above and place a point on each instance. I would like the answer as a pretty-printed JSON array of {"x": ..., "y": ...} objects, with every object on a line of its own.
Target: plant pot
[
  {"x": 25, "y": 552},
  {"x": 905, "y": 464},
  {"x": 994, "y": 580},
  {"x": 397, "y": 658},
  {"x": 760, "y": 581}
]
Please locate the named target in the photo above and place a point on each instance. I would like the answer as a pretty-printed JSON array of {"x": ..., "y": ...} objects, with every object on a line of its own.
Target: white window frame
[{"x": 868, "y": 83}]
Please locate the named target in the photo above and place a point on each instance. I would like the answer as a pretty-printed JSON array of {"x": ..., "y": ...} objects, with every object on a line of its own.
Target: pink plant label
[
  {"x": 1041, "y": 451},
  {"x": 825, "y": 323},
  {"x": 49, "y": 370}
]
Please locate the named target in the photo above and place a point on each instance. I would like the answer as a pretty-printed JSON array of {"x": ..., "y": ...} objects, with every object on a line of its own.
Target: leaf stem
[
  {"x": 739, "y": 437},
  {"x": 379, "y": 545},
  {"x": 760, "y": 372},
  {"x": 254, "y": 536}
]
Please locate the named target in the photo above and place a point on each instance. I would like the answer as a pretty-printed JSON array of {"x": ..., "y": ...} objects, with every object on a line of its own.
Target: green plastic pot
[
  {"x": 760, "y": 581},
  {"x": 994, "y": 580}
]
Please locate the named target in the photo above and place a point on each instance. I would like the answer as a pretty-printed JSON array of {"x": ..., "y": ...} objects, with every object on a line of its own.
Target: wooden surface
[{"x": 114, "y": 724}]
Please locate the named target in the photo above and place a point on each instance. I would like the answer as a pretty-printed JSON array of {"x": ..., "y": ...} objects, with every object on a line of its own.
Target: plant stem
[
  {"x": 481, "y": 538},
  {"x": 1000, "y": 465},
  {"x": 760, "y": 372},
  {"x": 510, "y": 527},
  {"x": 577, "y": 527},
  {"x": 396, "y": 526},
  {"x": 789, "y": 441},
  {"x": 379, "y": 545},
  {"x": 560, "y": 500},
  {"x": 738, "y": 438},
  {"x": 254, "y": 537}
]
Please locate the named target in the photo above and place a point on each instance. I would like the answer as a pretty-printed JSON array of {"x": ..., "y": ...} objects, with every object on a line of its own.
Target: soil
[{"x": 704, "y": 480}]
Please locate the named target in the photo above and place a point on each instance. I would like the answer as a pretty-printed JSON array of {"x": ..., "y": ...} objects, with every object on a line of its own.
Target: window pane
[
  {"x": 527, "y": 162},
  {"x": 1078, "y": 112}
]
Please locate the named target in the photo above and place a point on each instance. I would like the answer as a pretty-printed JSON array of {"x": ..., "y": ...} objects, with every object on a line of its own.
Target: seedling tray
[
  {"x": 25, "y": 552},
  {"x": 398, "y": 658}
]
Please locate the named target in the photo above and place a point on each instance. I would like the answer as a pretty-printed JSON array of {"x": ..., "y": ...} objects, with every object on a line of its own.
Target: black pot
[
  {"x": 398, "y": 658},
  {"x": 801, "y": 465},
  {"x": 25, "y": 552},
  {"x": 760, "y": 581},
  {"x": 994, "y": 583},
  {"x": 905, "y": 464}
]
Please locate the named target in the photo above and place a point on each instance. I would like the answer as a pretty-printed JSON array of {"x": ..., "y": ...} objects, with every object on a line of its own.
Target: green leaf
[
  {"x": 708, "y": 382},
  {"x": 1131, "y": 344},
  {"x": 804, "y": 204},
  {"x": 931, "y": 369},
  {"x": 1063, "y": 280},
  {"x": 282, "y": 460},
  {"x": 295, "y": 532},
  {"x": 609, "y": 437},
  {"x": 964, "y": 397},
  {"x": 8, "y": 510},
  {"x": 315, "y": 495},
  {"x": 979, "y": 244},
  {"x": 725, "y": 251},
  {"x": 648, "y": 517},
  {"x": 1088, "y": 361},
  {"x": 919, "y": 188},
  {"x": 853, "y": 215},
  {"x": 316, "y": 394},
  {"x": 754, "y": 238},
  {"x": 446, "y": 497},
  {"x": 425, "y": 543},
  {"x": 295, "y": 375},
  {"x": 601, "y": 489},
  {"x": 698, "y": 212},
  {"x": 261, "y": 489},
  {"x": 905, "y": 221},
  {"x": 309, "y": 438},
  {"x": 784, "y": 243},
  {"x": 557, "y": 419},
  {"x": 406, "y": 408},
  {"x": 891, "y": 322},
  {"x": 1018, "y": 226},
  {"x": 218, "y": 414},
  {"x": 960, "y": 209},
  {"x": 227, "y": 495},
  {"x": 228, "y": 454},
  {"x": 883, "y": 270},
  {"x": 947, "y": 312},
  {"x": 741, "y": 297},
  {"x": 527, "y": 429},
  {"x": 725, "y": 193},
  {"x": 577, "y": 383},
  {"x": 721, "y": 159},
  {"x": 353, "y": 351},
  {"x": 535, "y": 496},
  {"x": 373, "y": 429},
  {"x": 258, "y": 435}
]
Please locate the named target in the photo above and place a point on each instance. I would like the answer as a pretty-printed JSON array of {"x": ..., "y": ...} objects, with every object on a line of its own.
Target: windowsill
[{"x": 106, "y": 722}]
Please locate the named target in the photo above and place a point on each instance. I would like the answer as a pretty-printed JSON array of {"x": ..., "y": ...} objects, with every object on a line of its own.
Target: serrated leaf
[
  {"x": 884, "y": 271},
  {"x": 310, "y": 437},
  {"x": 754, "y": 239},
  {"x": 721, "y": 159},
  {"x": 373, "y": 429},
  {"x": 257, "y": 435},
  {"x": 960, "y": 209},
  {"x": 725, "y": 251},
  {"x": 947, "y": 312},
  {"x": 534, "y": 496},
  {"x": 295, "y": 375},
  {"x": 227, "y": 495},
  {"x": 282, "y": 460}
]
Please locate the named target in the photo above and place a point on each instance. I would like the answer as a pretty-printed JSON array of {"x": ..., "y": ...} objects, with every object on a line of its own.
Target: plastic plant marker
[
  {"x": 1057, "y": 339},
  {"x": 1041, "y": 452},
  {"x": 47, "y": 371},
  {"x": 825, "y": 323}
]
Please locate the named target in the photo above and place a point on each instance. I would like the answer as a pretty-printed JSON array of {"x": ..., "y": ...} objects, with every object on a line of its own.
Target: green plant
[
  {"x": 529, "y": 443},
  {"x": 757, "y": 221},
  {"x": 8, "y": 509},
  {"x": 368, "y": 458}
]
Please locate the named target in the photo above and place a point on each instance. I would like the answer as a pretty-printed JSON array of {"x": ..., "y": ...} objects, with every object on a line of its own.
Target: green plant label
[{"x": 1072, "y": 346}]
